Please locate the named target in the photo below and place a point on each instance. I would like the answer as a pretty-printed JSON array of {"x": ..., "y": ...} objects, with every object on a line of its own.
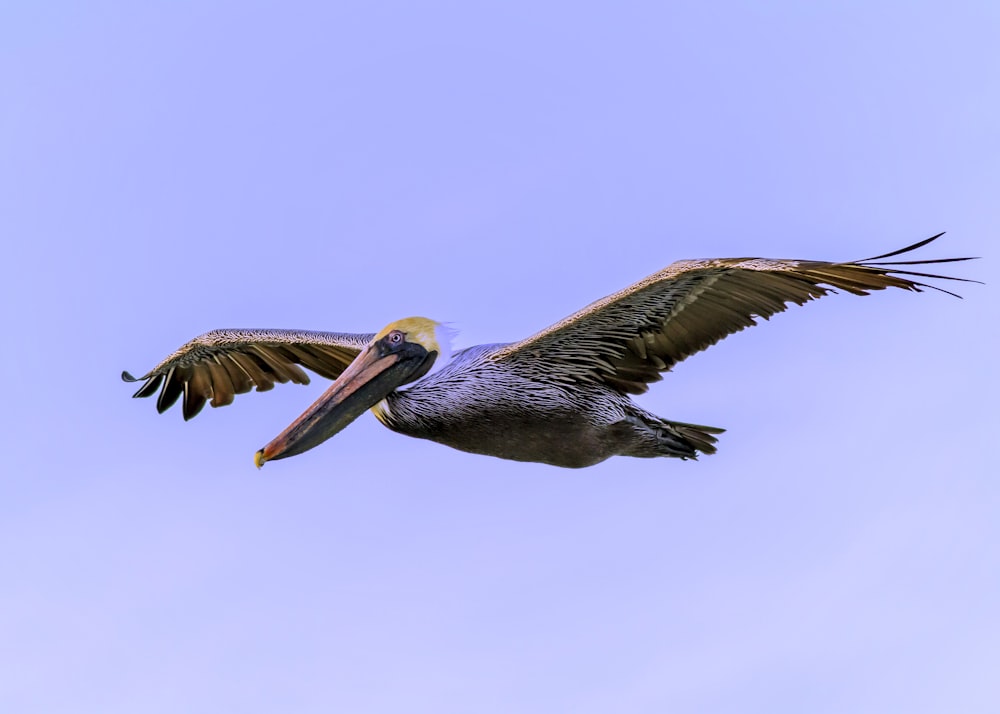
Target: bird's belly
[{"x": 558, "y": 439}]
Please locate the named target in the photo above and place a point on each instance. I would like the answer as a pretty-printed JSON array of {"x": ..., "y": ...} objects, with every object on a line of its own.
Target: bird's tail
[{"x": 701, "y": 438}]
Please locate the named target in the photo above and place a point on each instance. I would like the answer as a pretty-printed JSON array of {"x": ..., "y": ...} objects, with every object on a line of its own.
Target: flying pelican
[{"x": 558, "y": 397}]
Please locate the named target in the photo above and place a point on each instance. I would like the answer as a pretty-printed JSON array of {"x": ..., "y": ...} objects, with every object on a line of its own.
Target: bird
[{"x": 559, "y": 397}]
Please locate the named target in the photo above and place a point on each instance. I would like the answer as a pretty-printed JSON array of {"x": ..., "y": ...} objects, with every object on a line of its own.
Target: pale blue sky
[{"x": 169, "y": 168}]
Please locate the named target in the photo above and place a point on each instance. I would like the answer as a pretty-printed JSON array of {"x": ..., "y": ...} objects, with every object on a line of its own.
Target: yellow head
[{"x": 429, "y": 334}]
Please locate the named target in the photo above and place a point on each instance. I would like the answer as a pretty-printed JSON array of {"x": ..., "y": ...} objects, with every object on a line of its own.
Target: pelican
[{"x": 559, "y": 397}]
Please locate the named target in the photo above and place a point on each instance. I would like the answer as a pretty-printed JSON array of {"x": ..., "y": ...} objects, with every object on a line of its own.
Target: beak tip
[{"x": 259, "y": 459}]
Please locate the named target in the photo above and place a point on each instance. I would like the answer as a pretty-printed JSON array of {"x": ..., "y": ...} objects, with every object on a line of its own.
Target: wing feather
[
  {"x": 223, "y": 389},
  {"x": 172, "y": 389},
  {"x": 628, "y": 339},
  {"x": 220, "y": 364}
]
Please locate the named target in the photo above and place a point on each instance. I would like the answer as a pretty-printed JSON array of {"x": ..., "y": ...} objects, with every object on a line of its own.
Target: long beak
[{"x": 366, "y": 381}]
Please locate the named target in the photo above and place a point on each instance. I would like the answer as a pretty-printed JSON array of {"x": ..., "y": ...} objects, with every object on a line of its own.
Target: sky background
[{"x": 170, "y": 168}]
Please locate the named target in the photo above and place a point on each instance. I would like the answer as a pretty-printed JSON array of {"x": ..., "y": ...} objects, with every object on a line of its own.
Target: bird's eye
[{"x": 395, "y": 337}]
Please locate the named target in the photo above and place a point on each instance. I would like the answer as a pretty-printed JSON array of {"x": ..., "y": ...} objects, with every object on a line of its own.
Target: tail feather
[{"x": 701, "y": 438}]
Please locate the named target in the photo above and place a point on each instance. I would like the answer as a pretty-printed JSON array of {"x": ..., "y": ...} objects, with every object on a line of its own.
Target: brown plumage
[
  {"x": 559, "y": 396},
  {"x": 222, "y": 363},
  {"x": 629, "y": 338}
]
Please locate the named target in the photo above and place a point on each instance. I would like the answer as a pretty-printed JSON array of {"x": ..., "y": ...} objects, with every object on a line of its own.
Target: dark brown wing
[
  {"x": 220, "y": 364},
  {"x": 628, "y": 339}
]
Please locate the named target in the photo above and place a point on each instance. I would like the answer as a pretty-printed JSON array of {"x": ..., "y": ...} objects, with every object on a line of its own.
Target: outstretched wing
[
  {"x": 628, "y": 339},
  {"x": 223, "y": 363}
]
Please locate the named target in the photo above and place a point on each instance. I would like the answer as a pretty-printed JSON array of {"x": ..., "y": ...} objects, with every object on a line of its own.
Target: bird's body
[
  {"x": 559, "y": 397},
  {"x": 482, "y": 405}
]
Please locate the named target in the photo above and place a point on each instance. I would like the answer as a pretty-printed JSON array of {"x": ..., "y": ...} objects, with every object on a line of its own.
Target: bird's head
[
  {"x": 431, "y": 335},
  {"x": 399, "y": 354}
]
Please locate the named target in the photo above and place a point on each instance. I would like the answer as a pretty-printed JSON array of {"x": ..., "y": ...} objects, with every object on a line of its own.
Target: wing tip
[
  {"x": 892, "y": 267},
  {"x": 907, "y": 249}
]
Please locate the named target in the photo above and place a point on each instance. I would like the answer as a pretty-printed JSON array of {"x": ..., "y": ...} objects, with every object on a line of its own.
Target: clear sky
[{"x": 170, "y": 168}]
